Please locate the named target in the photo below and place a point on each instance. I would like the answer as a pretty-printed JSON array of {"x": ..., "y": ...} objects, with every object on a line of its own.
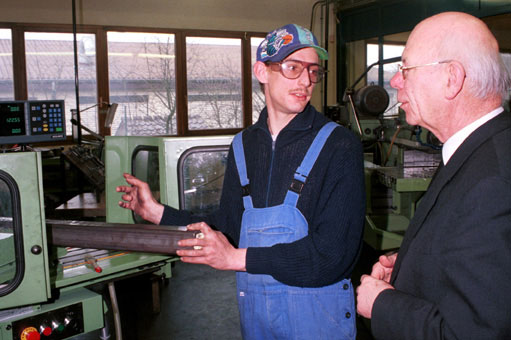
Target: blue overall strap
[
  {"x": 239, "y": 157},
  {"x": 308, "y": 162}
]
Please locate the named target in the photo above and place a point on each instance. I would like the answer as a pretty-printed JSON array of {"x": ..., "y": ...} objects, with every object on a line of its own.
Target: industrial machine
[
  {"x": 43, "y": 273},
  {"x": 400, "y": 161},
  {"x": 183, "y": 172},
  {"x": 47, "y": 266}
]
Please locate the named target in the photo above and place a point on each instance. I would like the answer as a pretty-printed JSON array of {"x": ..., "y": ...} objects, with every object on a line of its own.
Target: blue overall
[{"x": 268, "y": 308}]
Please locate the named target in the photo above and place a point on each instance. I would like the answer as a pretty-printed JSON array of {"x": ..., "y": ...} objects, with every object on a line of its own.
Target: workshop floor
[{"x": 199, "y": 303}]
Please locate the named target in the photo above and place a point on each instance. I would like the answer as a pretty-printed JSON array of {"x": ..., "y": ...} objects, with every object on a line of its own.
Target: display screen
[
  {"x": 12, "y": 119},
  {"x": 34, "y": 121}
]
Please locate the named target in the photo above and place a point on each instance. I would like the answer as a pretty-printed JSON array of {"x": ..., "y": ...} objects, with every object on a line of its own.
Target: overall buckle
[{"x": 296, "y": 186}]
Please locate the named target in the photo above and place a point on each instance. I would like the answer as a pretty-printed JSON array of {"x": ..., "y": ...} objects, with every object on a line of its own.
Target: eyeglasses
[
  {"x": 402, "y": 68},
  {"x": 292, "y": 69}
]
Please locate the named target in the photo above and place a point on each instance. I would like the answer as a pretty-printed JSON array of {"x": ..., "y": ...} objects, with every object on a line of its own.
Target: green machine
[
  {"x": 183, "y": 172},
  {"x": 27, "y": 280},
  {"x": 49, "y": 269},
  {"x": 44, "y": 286},
  {"x": 396, "y": 180},
  {"x": 43, "y": 290}
]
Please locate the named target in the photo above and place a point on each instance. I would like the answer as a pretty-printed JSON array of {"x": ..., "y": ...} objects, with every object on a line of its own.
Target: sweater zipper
[{"x": 271, "y": 171}]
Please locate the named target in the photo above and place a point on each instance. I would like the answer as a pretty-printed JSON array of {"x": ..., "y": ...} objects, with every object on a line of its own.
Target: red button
[
  {"x": 47, "y": 331},
  {"x": 30, "y": 333}
]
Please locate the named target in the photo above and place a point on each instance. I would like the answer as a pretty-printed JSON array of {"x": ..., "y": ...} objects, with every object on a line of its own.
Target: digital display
[
  {"x": 32, "y": 121},
  {"x": 12, "y": 119}
]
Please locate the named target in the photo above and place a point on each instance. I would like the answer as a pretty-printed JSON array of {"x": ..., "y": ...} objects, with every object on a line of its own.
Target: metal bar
[
  {"x": 118, "y": 236},
  {"x": 77, "y": 82}
]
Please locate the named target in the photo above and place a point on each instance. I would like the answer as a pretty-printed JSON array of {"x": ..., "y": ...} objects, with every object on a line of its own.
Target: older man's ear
[{"x": 455, "y": 79}]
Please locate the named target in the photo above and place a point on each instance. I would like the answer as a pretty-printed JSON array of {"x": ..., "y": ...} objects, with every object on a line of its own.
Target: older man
[
  {"x": 451, "y": 277},
  {"x": 292, "y": 201}
]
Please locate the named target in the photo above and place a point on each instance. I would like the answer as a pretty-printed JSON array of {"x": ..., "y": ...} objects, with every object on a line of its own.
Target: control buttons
[
  {"x": 47, "y": 118},
  {"x": 30, "y": 333},
  {"x": 59, "y": 327},
  {"x": 45, "y": 330}
]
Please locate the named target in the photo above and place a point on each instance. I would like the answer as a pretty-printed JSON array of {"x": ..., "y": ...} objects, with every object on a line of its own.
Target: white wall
[{"x": 235, "y": 15}]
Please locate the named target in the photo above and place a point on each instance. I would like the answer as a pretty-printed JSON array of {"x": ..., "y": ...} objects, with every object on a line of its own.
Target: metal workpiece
[{"x": 145, "y": 238}]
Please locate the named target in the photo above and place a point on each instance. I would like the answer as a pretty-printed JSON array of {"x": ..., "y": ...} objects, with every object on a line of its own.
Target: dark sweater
[{"x": 332, "y": 200}]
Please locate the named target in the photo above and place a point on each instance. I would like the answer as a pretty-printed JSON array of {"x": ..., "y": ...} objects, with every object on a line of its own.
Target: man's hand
[
  {"x": 367, "y": 292},
  {"x": 138, "y": 197},
  {"x": 213, "y": 249},
  {"x": 382, "y": 270}
]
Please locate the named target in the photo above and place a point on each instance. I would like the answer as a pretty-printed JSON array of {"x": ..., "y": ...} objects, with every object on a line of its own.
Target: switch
[
  {"x": 30, "y": 333},
  {"x": 45, "y": 330}
]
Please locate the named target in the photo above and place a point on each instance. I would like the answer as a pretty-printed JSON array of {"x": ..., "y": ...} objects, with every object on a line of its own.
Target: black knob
[{"x": 36, "y": 250}]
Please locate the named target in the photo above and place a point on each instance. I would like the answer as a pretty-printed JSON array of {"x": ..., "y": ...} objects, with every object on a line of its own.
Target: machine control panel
[
  {"x": 32, "y": 121},
  {"x": 46, "y": 117},
  {"x": 53, "y": 325}
]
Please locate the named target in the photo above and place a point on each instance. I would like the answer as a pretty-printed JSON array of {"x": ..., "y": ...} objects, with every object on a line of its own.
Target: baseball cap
[{"x": 283, "y": 41}]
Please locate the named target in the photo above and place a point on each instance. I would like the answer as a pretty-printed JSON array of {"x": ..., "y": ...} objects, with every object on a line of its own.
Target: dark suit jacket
[{"x": 453, "y": 271}]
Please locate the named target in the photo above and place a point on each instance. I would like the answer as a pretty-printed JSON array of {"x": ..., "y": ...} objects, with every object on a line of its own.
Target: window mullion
[
  {"x": 181, "y": 88},
  {"x": 19, "y": 64},
  {"x": 246, "y": 80}
]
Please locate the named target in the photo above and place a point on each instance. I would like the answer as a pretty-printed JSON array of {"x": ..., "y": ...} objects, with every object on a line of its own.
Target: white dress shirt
[{"x": 454, "y": 142}]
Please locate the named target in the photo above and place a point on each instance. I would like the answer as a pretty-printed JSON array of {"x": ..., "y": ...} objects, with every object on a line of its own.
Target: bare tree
[
  {"x": 161, "y": 79},
  {"x": 215, "y": 82}
]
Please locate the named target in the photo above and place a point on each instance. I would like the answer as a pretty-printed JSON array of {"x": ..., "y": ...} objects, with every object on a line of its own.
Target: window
[
  {"x": 213, "y": 69},
  {"x": 201, "y": 176},
  {"x": 143, "y": 82},
  {"x": 6, "y": 75},
  {"x": 8, "y": 251},
  {"x": 166, "y": 82},
  {"x": 51, "y": 72},
  {"x": 146, "y": 167},
  {"x": 389, "y": 51},
  {"x": 258, "y": 100}
]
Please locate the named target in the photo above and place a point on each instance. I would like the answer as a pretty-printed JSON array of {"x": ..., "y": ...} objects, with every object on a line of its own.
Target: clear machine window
[
  {"x": 142, "y": 73},
  {"x": 201, "y": 176},
  {"x": 258, "y": 101},
  {"x": 213, "y": 68},
  {"x": 7, "y": 245},
  {"x": 6, "y": 75},
  {"x": 51, "y": 72},
  {"x": 145, "y": 166}
]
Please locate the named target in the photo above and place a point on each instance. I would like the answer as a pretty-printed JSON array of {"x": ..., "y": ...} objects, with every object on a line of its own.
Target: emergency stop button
[{"x": 30, "y": 333}]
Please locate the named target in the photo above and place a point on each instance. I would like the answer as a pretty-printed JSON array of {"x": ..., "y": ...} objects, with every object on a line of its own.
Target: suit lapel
[{"x": 443, "y": 176}]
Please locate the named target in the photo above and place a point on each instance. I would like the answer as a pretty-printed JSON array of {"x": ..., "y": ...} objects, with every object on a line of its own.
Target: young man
[
  {"x": 296, "y": 221},
  {"x": 450, "y": 279}
]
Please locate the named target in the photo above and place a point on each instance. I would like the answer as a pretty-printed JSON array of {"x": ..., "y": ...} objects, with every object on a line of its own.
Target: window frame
[{"x": 102, "y": 76}]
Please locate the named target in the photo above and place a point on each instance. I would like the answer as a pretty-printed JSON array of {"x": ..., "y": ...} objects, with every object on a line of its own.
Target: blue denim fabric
[{"x": 270, "y": 309}]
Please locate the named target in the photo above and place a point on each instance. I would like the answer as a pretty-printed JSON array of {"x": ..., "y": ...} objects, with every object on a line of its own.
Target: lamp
[
  {"x": 76, "y": 121},
  {"x": 110, "y": 114}
]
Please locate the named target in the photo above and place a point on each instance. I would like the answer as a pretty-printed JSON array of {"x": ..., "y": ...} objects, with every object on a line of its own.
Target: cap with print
[{"x": 283, "y": 41}]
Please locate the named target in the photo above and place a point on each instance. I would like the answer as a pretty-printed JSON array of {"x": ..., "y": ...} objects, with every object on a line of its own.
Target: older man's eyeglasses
[
  {"x": 292, "y": 69},
  {"x": 404, "y": 69}
]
